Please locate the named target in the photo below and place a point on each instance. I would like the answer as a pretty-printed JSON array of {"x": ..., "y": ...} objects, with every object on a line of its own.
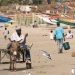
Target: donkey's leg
[
  {"x": 10, "y": 67},
  {"x": 11, "y": 64},
  {"x": 14, "y": 63},
  {"x": 15, "y": 66}
]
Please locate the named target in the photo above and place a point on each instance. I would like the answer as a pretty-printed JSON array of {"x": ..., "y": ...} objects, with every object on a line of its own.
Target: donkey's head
[{"x": 14, "y": 47}]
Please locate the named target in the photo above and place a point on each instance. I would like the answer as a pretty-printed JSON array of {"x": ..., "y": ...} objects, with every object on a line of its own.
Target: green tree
[
  {"x": 0, "y": 2},
  {"x": 37, "y": 1},
  {"x": 6, "y": 2}
]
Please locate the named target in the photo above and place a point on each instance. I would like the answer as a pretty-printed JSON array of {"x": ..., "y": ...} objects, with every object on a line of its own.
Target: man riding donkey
[{"x": 21, "y": 39}]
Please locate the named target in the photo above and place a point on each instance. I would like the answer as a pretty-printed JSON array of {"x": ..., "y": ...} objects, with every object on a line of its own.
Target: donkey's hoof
[
  {"x": 11, "y": 70},
  {"x": 15, "y": 70}
]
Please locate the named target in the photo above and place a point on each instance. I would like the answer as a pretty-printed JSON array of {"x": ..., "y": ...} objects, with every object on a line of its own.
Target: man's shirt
[
  {"x": 5, "y": 32},
  {"x": 15, "y": 37},
  {"x": 69, "y": 35},
  {"x": 59, "y": 32}
]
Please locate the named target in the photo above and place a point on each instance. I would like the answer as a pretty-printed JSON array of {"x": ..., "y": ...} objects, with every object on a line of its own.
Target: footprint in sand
[
  {"x": 45, "y": 61},
  {"x": 52, "y": 65},
  {"x": 39, "y": 62}
]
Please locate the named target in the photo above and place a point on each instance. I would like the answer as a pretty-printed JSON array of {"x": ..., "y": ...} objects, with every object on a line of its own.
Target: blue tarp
[{"x": 4, "y": 19}]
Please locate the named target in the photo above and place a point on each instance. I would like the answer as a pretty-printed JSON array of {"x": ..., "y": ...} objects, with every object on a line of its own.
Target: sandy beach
[{"x": 61, "y": 64}]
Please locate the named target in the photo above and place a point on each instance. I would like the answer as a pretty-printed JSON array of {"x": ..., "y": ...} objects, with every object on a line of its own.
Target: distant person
[
  {"x": 51, "y": 35},
  {"x": 69, "y": 35},
  {"x": 35, "y": 24},
  {"x": 5, "y": 25},
  {"x": 6, "y": 32},
  {"x": 59, "y": 36},
  {"x": 49, "y": 1},
  {"x": 30, "y": 2},
  {"x": 11, "y": 23}
]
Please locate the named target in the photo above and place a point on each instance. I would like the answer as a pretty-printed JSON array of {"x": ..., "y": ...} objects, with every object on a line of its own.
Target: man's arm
[
  {"x": 55, "y": 35},
  {"x": 24, "y": 41},
  {"x": 55, "y": 38},
  {"x": 25, "y": 38},
  {"x": 63, "y": 36},
  {"x": 72, "y": 36}
]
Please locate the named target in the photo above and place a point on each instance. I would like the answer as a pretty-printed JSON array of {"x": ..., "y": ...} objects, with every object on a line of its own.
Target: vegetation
[
  {"x": 10, "y": 4},
  {"x": 7, "y": 2},
  {"x": 37, "y": 1}
]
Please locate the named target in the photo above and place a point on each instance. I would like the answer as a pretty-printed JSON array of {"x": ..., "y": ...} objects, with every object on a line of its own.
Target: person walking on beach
[
  {"x": 6, "y": 32},
  {"x": 51, "y": 35},
  {"x": 59, "y": 37}
]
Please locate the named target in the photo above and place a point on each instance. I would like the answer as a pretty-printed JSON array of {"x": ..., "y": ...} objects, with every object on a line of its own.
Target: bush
[{"x": 37, "y": 1}]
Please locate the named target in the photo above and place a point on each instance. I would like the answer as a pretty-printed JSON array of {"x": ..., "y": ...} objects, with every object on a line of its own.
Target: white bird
[
  {"x": 28, "y": 73},
  {"x": 73, "y": 71},
  {"x": 46, "y": 54}
]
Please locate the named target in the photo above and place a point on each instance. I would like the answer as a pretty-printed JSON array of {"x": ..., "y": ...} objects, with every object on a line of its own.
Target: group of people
[
  {"x": 59, "y": 35},
  {"x": 68, "y": 35}
]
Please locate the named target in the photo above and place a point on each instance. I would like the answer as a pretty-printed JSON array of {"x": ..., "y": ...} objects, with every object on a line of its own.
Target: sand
[{"x": 61, "y": 64}]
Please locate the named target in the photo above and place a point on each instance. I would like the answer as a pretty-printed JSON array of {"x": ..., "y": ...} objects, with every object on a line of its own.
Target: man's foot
[
  {"x": 15, "y": 70},
  {"x": 60, "y": 52},
  {"x": 28, "y": 58},
  {"x": 28, "y": 61}
]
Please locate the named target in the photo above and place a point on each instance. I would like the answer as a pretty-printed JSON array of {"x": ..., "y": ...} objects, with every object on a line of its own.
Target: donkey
[{"x": 13, "y": 55}]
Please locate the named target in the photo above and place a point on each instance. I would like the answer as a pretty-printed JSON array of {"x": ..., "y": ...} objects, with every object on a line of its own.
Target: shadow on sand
[
  {"x": 17, "y": 69},
  {"x": 9, "y": 62}
]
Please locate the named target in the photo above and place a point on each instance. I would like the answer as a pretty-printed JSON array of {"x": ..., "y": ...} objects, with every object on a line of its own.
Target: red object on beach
[
  {"x": 24, "y": 12},
  {"x": 52, "y": 17}
]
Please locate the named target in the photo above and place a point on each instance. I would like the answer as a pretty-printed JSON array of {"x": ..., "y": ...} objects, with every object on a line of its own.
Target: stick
[{"x": 3, "y": 56}]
